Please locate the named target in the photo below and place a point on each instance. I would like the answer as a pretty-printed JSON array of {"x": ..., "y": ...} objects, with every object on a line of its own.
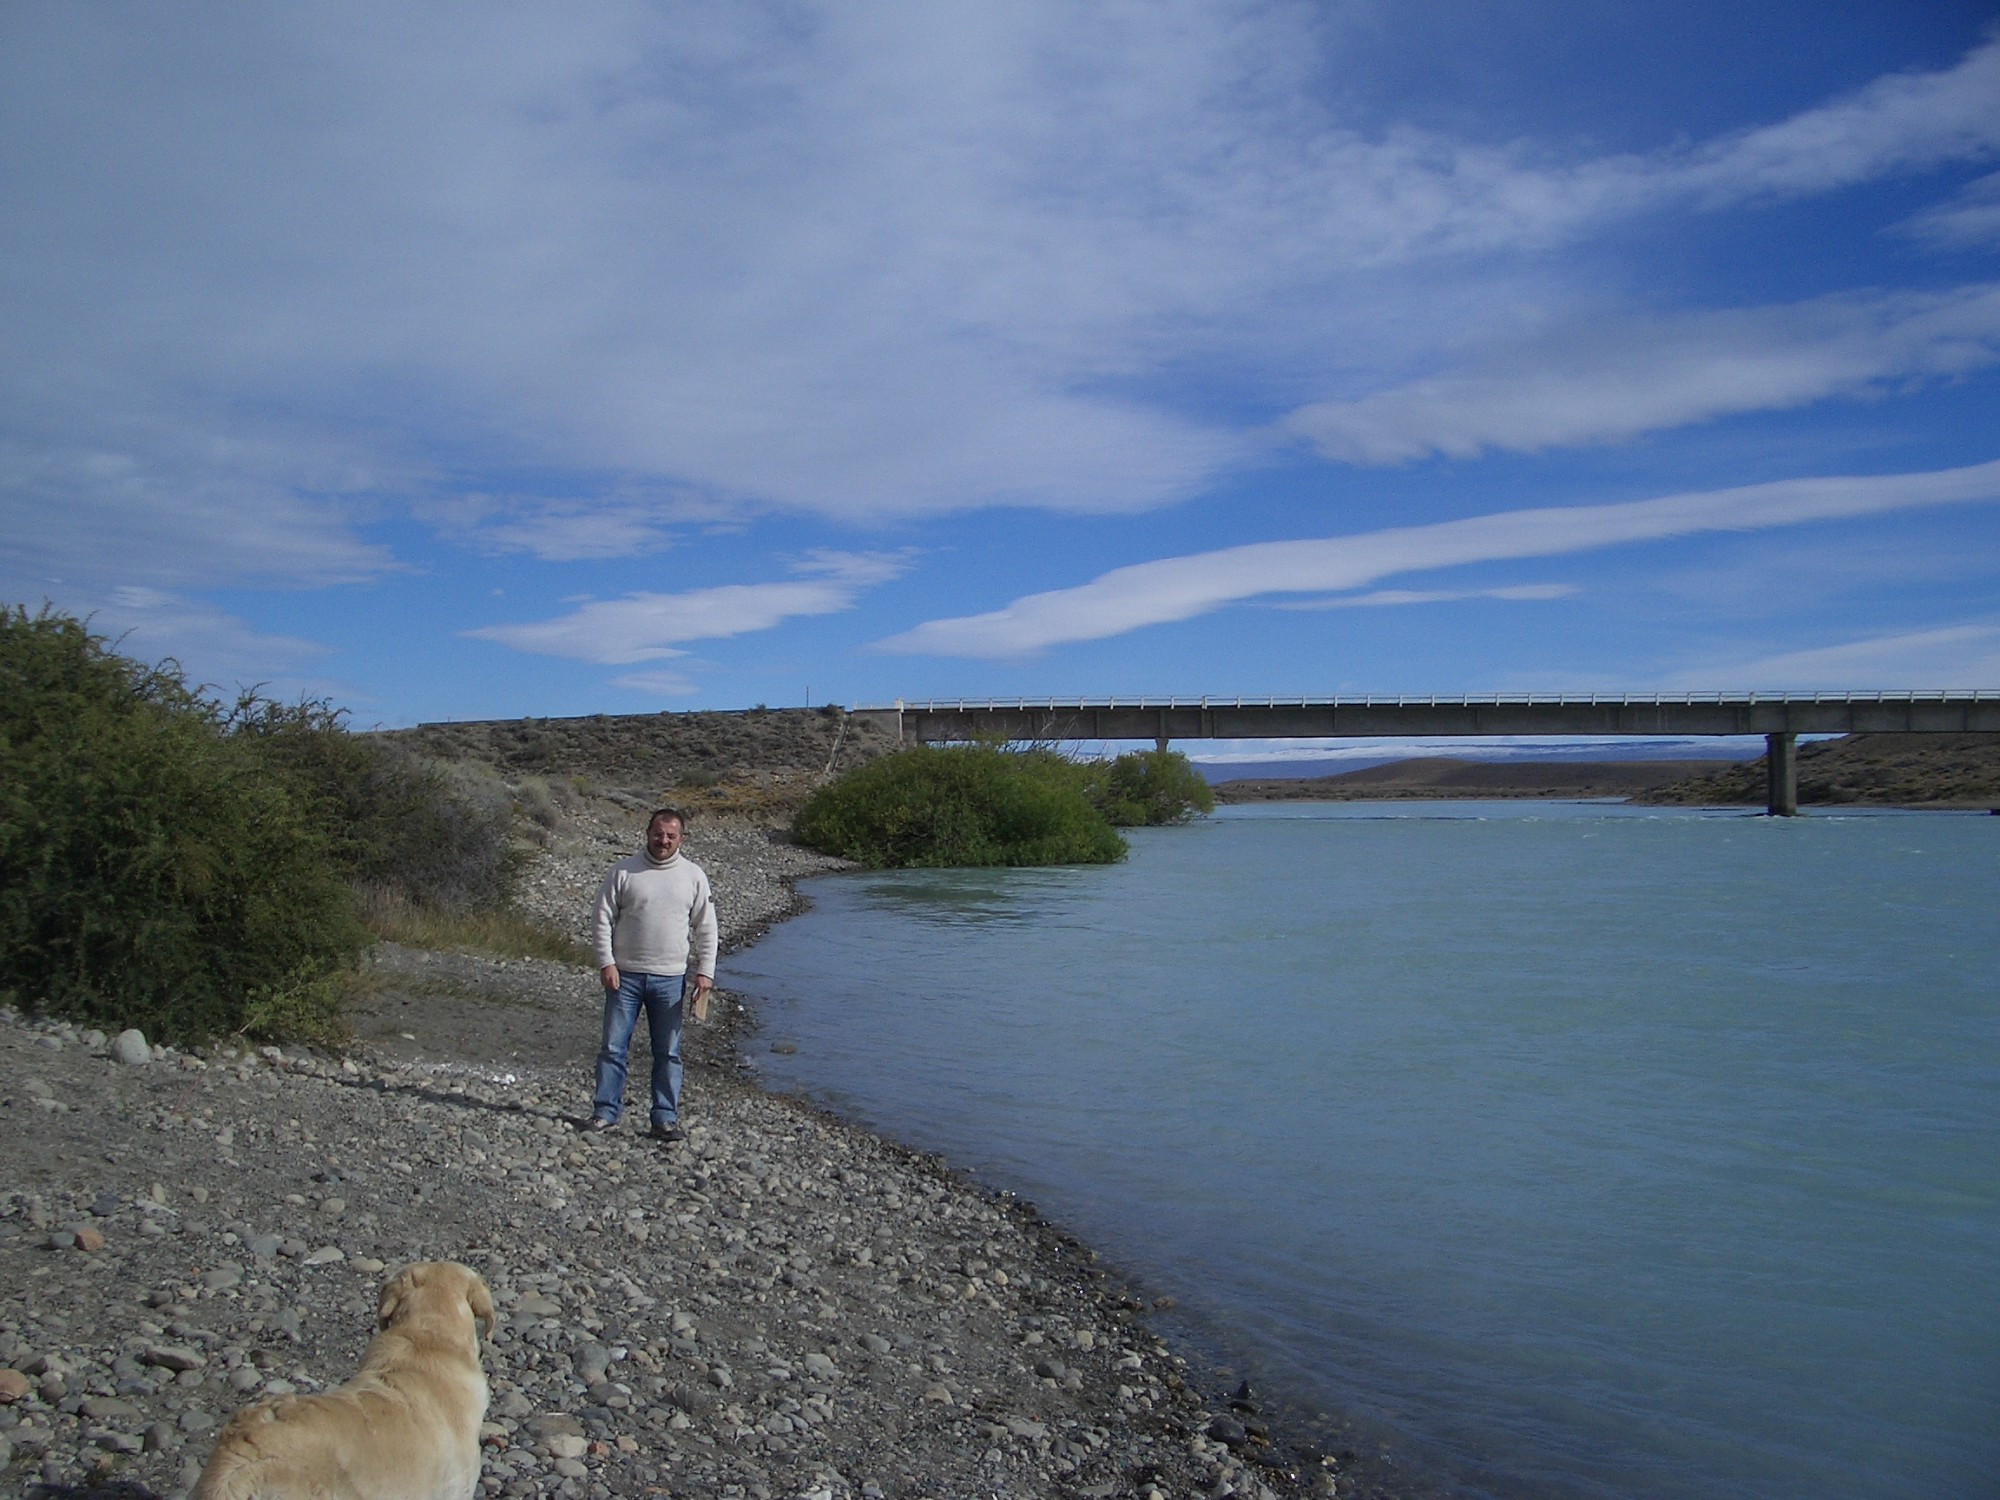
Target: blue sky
[{"x": 493, "y": 360}]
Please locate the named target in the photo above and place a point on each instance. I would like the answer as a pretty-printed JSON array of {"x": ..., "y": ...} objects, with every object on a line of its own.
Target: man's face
[{"x": 663, "y": 837}]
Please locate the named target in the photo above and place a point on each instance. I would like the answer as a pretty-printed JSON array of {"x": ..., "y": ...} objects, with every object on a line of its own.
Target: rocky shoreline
[{"x": 783, "y": 1306}]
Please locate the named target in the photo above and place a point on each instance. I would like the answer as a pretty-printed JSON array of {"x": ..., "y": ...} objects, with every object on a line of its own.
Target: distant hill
[
  {"x": 661, "y": 748},
  {"x": 1886, "y": 770},
  {"x": 1445, "y": 776}
]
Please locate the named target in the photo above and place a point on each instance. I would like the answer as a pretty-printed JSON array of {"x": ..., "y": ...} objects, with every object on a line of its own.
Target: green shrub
[
  {"x": 390, "y": 819},
  {"x": 154, "y": 871},
  {"x": 929, "y": 806},
  {"x": 1147, "y": 788}
]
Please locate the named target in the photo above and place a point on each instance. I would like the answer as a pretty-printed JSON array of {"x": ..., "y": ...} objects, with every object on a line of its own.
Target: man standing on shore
[{"x": 655, "y": 937}]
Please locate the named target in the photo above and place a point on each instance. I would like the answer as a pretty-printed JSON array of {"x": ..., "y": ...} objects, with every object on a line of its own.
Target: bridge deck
[{"x": 1337, "y": 718}]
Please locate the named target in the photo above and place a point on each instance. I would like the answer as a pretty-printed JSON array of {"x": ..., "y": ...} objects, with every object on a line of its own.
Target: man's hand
[
  {"x": 703, "y": 984},
  {"x": 609, "y": 975}
]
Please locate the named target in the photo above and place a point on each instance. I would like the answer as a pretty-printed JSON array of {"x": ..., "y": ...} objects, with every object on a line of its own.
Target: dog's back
[
  {"x": 406, "y": 1427},
  {"x": 344, "y": 1446}
]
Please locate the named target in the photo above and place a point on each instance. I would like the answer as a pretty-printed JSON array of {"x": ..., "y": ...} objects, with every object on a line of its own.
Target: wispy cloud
[
  {"x": 1614, "y": 379},
  {"x": 1969, "y": 219},
  {"x": 553, "y": 530},
  {"x": 1954, "y": 656},
  {"x": 658, "y": 684},
  {"x": 1342, "y": 755},
  {"x": 645, "y": 627},
  {"x": 860, "y": 260},
  {"x": 1903, "y": 122},
  {"x": 1180, "y": 588},
  {"x": 140, "y": 505},
  {"x": 1392, "y": 598},
  {"x": 214, "y": 648}
]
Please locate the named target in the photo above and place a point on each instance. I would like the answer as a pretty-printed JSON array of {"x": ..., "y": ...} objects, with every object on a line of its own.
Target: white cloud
[
  {"x": 552, "y": 530},
  {"x": 1351, "y": 754},
  {"x": 167, "y": 509},
  {"x": 861, "y": 260},
  {"x": 1180, "y": 588},
  {"x": 645, "y": 627},
  {"x": 658, "y": 684},
  {"x": 1953, "y": 657},
  {"x": 1391, "y": 598},
  {"x": 1903, "y": 122},
  {"x": 213, "y": 647},
  {"x": 1970, "y": 219},
  {"x": 1615, "y": 379}
]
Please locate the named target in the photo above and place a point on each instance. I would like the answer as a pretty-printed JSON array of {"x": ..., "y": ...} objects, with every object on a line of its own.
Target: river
[{"x": 1570, "y": 1150}]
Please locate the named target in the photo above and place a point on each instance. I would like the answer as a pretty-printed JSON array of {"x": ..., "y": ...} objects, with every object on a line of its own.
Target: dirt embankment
[
  {"x": 756, "y": 764},
  {"x": 1879, "y": 770}
]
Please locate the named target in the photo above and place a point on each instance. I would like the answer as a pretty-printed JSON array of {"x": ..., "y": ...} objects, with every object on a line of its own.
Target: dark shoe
[
  {"x": 668, "y": 1134},
  {"x": 595, "y": 1125}
]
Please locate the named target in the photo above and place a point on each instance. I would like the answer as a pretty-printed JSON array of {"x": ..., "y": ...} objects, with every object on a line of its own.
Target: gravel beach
[{"x": 783, "y": 1305}]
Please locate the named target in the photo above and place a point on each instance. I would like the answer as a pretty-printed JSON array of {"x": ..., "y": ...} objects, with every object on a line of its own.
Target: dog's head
[{"x": 437, "y": 1288}]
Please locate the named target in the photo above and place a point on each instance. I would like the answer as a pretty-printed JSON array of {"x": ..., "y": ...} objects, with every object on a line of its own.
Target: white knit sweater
[{"x": 653, "y": 917}]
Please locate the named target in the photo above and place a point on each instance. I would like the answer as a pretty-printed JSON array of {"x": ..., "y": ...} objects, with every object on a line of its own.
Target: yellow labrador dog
[{"x": 406, "y": 1427}]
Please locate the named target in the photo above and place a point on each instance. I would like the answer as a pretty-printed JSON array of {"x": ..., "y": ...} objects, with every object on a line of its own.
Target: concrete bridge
[{"x": 1779, "y": 717}]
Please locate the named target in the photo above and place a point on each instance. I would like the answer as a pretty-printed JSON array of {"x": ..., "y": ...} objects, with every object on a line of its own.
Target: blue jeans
[{"x": 660, "y": 994}]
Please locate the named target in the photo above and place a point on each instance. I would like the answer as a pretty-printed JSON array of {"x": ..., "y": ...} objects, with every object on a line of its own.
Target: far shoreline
[{"x": 1864, "y": 770}]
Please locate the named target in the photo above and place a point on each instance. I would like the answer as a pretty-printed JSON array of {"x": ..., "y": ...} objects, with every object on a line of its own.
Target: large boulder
[{"x": 130, "y": 1046}]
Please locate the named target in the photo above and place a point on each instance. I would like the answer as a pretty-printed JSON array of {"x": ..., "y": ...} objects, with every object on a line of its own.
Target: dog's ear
[
  {"x": 397, "y": 1288},
  {"x": 480, "y": 1299}
]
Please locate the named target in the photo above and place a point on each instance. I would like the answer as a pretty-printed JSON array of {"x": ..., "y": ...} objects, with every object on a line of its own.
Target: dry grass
[
  {"x": 497, "y": 933},
  {"x": 770, "y": 798}
]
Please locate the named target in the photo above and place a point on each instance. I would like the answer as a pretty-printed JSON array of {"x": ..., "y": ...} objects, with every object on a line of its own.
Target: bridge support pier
[{"x": 1781, "y": 766}]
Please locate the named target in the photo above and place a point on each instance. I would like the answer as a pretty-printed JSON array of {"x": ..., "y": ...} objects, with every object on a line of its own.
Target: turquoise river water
[{"x": 1567, "y": 1150}]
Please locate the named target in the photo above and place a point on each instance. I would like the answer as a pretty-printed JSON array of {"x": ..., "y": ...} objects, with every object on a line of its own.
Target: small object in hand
[{"x": 698, "y": 1000}]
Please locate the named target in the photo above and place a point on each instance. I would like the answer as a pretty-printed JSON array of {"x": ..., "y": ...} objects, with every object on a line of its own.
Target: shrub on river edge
[
  {"x": 1148, "y": 788},
  {"x": 929, "y": 806}
]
